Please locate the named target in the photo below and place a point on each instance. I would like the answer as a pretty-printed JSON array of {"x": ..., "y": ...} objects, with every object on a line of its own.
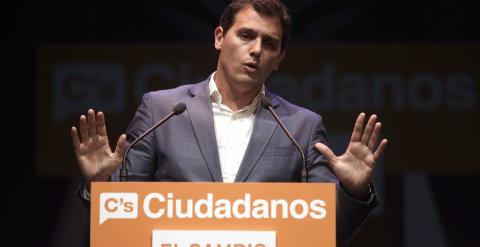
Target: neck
[{"x": 235, "y": 96}]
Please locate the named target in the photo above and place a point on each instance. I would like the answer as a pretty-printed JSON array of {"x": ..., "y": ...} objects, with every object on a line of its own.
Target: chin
[{"x": 250, "y": 81}]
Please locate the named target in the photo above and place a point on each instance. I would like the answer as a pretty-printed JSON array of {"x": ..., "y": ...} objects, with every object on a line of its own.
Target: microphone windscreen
[
  {"x": 179, "y": 108},
  {"x": 265, "y": 102}
]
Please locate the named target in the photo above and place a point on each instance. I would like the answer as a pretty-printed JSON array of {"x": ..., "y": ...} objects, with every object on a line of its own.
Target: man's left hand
[{"x": 355, "y": 167}]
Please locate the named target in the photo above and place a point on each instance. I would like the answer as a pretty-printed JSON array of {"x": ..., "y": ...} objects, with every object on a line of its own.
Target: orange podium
[{"x": 159, "y": 214}]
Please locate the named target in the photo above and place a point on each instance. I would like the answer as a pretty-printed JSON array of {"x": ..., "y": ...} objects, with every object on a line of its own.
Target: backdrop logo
[
  {"x": 78, "y": 86},
  {"x": 118, "y": 206}
]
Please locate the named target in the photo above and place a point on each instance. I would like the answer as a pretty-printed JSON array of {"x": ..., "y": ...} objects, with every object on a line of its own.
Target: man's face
[{"x": 251, "y": 49}]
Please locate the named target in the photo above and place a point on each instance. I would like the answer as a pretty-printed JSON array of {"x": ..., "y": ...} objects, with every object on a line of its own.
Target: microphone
[
  {"x": 267, "y": 104},
  {"x": 178, "y": 109}
]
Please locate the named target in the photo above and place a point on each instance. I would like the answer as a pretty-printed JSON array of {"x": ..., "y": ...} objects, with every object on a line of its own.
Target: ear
[
  {"x": 279, "y": 60},
  {"x": 218, "y": 38}
]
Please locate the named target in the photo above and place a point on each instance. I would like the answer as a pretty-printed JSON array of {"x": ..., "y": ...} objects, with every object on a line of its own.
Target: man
[{"x": 226, "y": 136}]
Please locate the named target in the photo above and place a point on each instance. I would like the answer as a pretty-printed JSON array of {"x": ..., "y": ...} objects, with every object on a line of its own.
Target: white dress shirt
[{"x": 232, "y": 130}]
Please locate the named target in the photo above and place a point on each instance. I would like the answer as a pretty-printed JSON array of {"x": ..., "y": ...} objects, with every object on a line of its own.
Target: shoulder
[
  {"x": 177, "y": 92},
  {"x": 295, "y": 112},
  {"x": 161, "y": 102},
  {"x": 174, "y": 95}
]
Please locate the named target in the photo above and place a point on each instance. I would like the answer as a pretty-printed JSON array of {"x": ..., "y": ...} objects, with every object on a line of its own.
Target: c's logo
[{"x": 118, "y": 206}]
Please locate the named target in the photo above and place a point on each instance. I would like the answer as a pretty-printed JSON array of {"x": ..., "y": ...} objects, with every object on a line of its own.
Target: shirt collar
[{"x": 216, "y": 97}]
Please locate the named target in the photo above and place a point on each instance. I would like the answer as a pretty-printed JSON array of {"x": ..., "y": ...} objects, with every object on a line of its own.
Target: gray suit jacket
[{"x": 184, "y": 148}]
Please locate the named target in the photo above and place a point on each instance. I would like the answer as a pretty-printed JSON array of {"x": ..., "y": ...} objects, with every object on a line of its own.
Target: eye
[
  {"x": 245, "y": 35},
  {"x": 271, "y": 45}
]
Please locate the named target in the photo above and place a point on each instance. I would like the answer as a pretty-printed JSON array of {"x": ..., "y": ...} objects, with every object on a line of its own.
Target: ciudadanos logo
[
  {"x": 118, "y": 206},
  {"x": 157, "y": 205}
]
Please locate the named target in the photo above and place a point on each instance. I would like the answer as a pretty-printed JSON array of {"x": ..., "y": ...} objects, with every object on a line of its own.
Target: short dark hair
[{"x": 270, "y": 8}]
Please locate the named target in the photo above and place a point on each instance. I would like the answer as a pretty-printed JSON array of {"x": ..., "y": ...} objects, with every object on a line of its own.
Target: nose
[{"x": 256, "y": 48}]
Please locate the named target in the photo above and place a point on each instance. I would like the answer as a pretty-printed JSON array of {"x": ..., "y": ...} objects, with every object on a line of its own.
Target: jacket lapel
[
  {"x": 200, "y": 111},
  {"x": 263, "y": 129}
]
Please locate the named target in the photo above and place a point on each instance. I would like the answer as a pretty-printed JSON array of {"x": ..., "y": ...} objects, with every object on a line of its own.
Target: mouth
[{"x": 251, "y": 67}]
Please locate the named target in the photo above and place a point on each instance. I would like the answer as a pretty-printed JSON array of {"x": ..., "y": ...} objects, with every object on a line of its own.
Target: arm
[
  {"x": 141, "y": 158},
  {"x": 352, "y": 209}
]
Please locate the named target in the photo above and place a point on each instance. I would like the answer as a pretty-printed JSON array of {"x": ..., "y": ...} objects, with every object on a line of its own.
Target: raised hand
[
  {"x": 355, "y": 167},
  {"x": 95, "y": 158}
]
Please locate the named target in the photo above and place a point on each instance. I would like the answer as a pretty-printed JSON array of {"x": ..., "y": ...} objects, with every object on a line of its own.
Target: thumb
[
  {"x": 326, "y": 151},
  {"x": 120, "y": 149}
]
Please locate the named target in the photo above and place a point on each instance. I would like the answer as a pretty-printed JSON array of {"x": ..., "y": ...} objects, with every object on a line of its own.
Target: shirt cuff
[
  {"x": 84, "y": 192},
  {"x": 367, "y": 198}
]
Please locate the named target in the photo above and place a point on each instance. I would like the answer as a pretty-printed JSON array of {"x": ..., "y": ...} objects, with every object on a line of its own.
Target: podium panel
[{"x": 159, "y": 214}]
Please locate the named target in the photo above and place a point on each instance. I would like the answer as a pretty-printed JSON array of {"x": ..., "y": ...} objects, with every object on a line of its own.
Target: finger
[
  {"x": 120, "y": 148},
  {"x": 75, "y": 140},
  {"x": 84, "y": 128},
  {"x": 380, "y": 149},
  {"x": 101, "y": 128},
  {"x": 369, "y": 129},
  {"x": 327, "y": 152},
  {"x": 374, "y": 139},
  {"x": 357, "y": 129},
  {"x": 92, "y": 128}
]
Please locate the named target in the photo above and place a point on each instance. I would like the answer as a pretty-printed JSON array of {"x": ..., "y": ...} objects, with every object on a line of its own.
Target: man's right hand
[{"x": 95, "y": 158}]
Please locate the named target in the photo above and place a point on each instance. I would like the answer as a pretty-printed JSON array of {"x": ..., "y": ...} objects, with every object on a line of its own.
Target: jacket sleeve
[
  {"x": 141, "y": 159},
  {"x": 351, "y": 213}
]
